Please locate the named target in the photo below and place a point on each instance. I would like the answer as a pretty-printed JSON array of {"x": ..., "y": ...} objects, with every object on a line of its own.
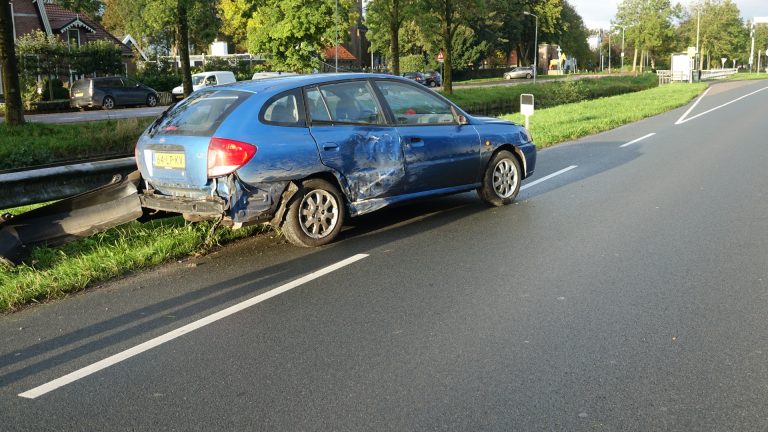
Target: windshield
[{"x": 198, "y": 80}]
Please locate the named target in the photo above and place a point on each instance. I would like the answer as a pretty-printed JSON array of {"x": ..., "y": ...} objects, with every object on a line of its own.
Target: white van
[{"x": 205, "y": 79}]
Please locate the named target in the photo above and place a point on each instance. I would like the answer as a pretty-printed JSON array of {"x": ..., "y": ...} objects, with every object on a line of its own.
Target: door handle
[
  {"x": 415, "y": 142},
  {"x": 330, "y": 146}
]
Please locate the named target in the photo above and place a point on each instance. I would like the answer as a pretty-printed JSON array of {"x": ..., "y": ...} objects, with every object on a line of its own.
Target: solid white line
[
  {"x": 152, "y": 343},
  {"x": 543, "y": 179},
  {"x": 682, "y": 118},
  {"x": 638, "y": 140},
  {"x": 721, "y": 106}
]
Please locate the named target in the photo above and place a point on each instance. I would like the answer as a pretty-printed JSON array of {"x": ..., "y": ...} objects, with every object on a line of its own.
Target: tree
[
  {"x": 721, "y": 31},
  {"x": 450, "y": 15},
  {"x": 43, "y": 55},
  {"x": 92, "y": 8},
  {"x": 191, "y": 21},
  {"x": 14, "y": 110},
  {"x": 384, "y": 19},
  {"x": 295, "y": 32},
  {"x": 234, "y": 16},
  {"x": 649, "y": 25}
]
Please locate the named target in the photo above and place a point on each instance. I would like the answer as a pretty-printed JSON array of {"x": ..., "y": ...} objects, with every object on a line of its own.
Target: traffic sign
[{"x": 440, "y": 56}]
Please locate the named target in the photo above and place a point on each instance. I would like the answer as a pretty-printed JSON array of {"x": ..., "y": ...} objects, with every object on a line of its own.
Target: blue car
[{"x": 306, "y": 152}]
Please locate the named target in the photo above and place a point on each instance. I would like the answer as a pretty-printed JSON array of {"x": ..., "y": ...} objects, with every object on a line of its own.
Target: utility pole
[
  {"x": 536, "y": 46},
  {"x": 337, "y": 36},
  {"x": 622, "y": 45},
  {"x": 698, "y": 28}
]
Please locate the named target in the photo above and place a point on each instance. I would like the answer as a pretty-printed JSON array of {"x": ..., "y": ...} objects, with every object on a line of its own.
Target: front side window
[
  {"x": 352, "y": 102},
  {"x": 316, "y": 106},
  {"x": 283, "y": 110},
  {"x": 414, "y": 106}
]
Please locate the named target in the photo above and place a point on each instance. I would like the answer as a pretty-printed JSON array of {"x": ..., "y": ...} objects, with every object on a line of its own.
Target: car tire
[
  {"x": 151, "y": 100},
  {"x": 529, "y": 76},
  {"x": 501, "y": 180},
  {"x": 507, "y": 76},
  {"x": 108, "y": 103},
  {"x": 315, "y": 214},
  {"x": 432, "y": 84}
]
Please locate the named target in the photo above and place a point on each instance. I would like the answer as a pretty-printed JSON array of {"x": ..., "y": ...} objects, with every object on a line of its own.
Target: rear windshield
[{"x": 201, "y": 113}]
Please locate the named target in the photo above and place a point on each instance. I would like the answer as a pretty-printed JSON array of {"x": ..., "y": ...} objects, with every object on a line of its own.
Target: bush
[
  {"x": 160, "y": 75},
  {"x": 59, "y": 92},
  {"x": 412, "y": 63}
]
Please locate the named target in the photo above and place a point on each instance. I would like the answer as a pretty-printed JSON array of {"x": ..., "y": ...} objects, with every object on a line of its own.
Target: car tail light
[{"x": 225, "y": 156}]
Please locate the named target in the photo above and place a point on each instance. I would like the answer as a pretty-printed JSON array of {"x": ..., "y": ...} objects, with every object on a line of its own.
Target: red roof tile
[{"x": 344, "y": 54}]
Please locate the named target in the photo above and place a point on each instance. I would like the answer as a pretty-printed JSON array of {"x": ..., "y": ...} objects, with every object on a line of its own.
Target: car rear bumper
[{"x": 208, "y": 207}]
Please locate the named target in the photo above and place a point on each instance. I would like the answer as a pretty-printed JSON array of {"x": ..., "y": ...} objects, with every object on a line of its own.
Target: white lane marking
[
  {"x": 721, "y": 106},
  {"x": 638, "y": 140},
  {"x": 152, "y": 343},
  {"x": 543, "y": 179},
  {"x": 682, "y": 118}
]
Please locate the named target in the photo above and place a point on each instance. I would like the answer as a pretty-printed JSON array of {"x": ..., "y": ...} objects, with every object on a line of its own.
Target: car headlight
[{"x": 525, "y": 136}]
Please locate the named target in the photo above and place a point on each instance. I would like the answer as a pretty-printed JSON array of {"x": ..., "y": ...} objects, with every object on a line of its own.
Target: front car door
[
  {"x": 439, "y": 152},
  {"x": 353, "y": 138}
]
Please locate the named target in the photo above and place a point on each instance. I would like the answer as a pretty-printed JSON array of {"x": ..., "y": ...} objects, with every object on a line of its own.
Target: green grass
[
  {"x": 568, "y": 122},
  {"x": 39, "y": 144},
  {"x": 746, "y": 76},
  {"x": 51, "y": 273},
  {"x": 501, "y": 79}
]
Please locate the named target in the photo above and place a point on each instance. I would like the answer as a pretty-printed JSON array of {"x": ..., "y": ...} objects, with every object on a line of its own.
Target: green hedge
[{"x": 497, "y": 100}]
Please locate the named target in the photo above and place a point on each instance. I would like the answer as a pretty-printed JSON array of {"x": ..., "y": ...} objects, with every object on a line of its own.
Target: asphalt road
[
  {"x": 629, "y": 292},
  {"x": 94, "y": 115}
]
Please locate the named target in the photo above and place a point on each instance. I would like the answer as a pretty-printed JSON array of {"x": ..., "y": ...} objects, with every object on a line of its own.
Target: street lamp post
[
  {"x": 622, "y": 45},
  {"x": 337, "y": 36},
  {"x": 609, "y": 50},
  {"x": 536, "y": 46}
]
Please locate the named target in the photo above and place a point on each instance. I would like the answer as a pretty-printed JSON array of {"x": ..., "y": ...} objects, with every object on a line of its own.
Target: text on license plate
[
  {"x": 170, "y": 160},
  {"x": 79, "y": 94}
]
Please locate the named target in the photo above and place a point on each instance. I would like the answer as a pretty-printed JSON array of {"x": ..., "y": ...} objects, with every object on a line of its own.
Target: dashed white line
[
  {"x": 152, "y": 343},
  {"x": 638, "y": 140},
  {"x": 545, "y": 178},
  {"x": 681, "y": 121}
]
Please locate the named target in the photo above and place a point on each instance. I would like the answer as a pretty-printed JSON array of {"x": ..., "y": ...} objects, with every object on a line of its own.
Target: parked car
[
  {"x": 519, "y": 72},
  {"x": 109, "y": 92},
  {"x": 205, "y": 79},
  {"x": 433, "y": 79},
  {"x": 415, "y": 76},
  {"x": 307, "y": 152},
  {"x": 263, "y": 75}
]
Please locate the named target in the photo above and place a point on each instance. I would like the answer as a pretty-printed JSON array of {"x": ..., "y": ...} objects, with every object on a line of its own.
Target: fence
[{"x": 667, "y": 76}]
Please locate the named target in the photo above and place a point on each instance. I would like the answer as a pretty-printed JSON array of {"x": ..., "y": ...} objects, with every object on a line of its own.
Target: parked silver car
[{"x": 519, "y": 72}]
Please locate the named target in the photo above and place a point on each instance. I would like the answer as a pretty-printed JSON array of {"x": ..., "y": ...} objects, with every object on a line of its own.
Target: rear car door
[
  {"x": 439, "y": 152},
  {"x": 353, "y": 138}
]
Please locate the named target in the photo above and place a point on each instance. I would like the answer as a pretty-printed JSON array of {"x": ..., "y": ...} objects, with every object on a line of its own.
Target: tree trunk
[
  {"x": 182, "y": 38},
  {"x": 14, "y": 110},
  {"x": 634, "y": 60},
  {"x": 394, "y": 37}
]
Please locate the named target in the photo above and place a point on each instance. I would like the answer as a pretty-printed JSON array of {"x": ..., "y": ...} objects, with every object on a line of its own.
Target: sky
[{"x": 598, "y": 13}]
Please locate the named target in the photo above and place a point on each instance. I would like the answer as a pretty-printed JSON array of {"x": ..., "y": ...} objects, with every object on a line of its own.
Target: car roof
[{"x": 281, "y": 83}]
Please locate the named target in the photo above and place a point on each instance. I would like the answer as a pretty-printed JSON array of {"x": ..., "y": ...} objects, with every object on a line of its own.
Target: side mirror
[{"x": 463, "y": 120}]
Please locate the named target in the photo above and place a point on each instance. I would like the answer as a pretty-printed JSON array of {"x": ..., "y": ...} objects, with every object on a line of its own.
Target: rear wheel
[
  {"x": 151, "y": 100},
  {"x": 315, "y": 214},
  {"x": 501, "y": 181},
  {"x": 529, "y": 76},
  {"x": 108, "y": 103}
]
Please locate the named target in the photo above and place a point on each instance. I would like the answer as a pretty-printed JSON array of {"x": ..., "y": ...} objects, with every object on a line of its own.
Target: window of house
[{"x": 73, "y": 37}]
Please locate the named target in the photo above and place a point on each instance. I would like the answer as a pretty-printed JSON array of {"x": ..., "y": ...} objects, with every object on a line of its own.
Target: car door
[
  {"x": 439, "y": 152},
  {"x": 134, "y": 94},
  {"x": 354, "y": 139}
]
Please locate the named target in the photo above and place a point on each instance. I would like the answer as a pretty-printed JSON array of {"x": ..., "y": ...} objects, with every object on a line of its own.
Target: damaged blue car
[{"x": 306, "y": 152}]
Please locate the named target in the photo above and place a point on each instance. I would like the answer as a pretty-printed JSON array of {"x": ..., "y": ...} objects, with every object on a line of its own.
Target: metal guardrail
[
  {"x": 717, "y": 73},
  {"x": 667, "y": 76},
  {"x": 47, "y": 184}
]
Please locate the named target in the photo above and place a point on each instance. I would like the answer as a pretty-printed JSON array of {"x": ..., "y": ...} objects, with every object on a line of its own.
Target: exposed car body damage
[{"x": 79, "y": 216}]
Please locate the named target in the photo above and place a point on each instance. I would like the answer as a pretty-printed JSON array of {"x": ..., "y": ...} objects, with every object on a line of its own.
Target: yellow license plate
[
  {"x": 79, "y": 94},
  {"x": 170, "y": 160}
]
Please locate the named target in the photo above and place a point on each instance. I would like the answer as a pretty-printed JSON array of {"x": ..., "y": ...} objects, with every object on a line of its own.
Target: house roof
[
  {"x": 61, "y": 19},
  {"x": 344, "y": 54}
]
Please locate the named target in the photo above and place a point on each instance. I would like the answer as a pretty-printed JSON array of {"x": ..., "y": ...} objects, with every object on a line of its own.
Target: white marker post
[{"x": 526, "y": 106}]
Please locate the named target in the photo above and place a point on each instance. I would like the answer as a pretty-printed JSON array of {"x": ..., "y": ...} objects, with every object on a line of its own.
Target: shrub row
[{"x": 506, "y": 100}]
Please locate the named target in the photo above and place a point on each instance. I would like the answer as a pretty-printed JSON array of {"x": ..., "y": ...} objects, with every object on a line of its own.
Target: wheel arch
[
  {"x": 516, "y": 152},
  {"x": 293, "y": 187}
]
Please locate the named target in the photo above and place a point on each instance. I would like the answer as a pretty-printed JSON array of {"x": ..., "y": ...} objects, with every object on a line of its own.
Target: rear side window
[
  {"x": 283, "y": 110},
  {"x": 352, "y": 102},
  {"x": 201, "y": 113}
]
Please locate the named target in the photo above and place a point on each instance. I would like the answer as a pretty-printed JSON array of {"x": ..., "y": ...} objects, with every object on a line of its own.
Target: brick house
[{"x": 73, "y": 28}]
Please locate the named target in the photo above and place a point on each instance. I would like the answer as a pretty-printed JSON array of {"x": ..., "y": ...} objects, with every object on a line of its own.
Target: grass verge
[
  {"x": 41, "y": 143},
  {"x": 567, "y": 122},
  {"x": 746, "y": 76},
  {"x": 51, "y": 273}
]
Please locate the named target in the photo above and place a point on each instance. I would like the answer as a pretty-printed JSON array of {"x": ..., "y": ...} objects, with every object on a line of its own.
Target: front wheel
[
  {"x": 529, "y": 76},
  {"x": 315, "y": 214},
  {"x": 501, "y": 180},
  {"x": 151, "y": 100}
]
